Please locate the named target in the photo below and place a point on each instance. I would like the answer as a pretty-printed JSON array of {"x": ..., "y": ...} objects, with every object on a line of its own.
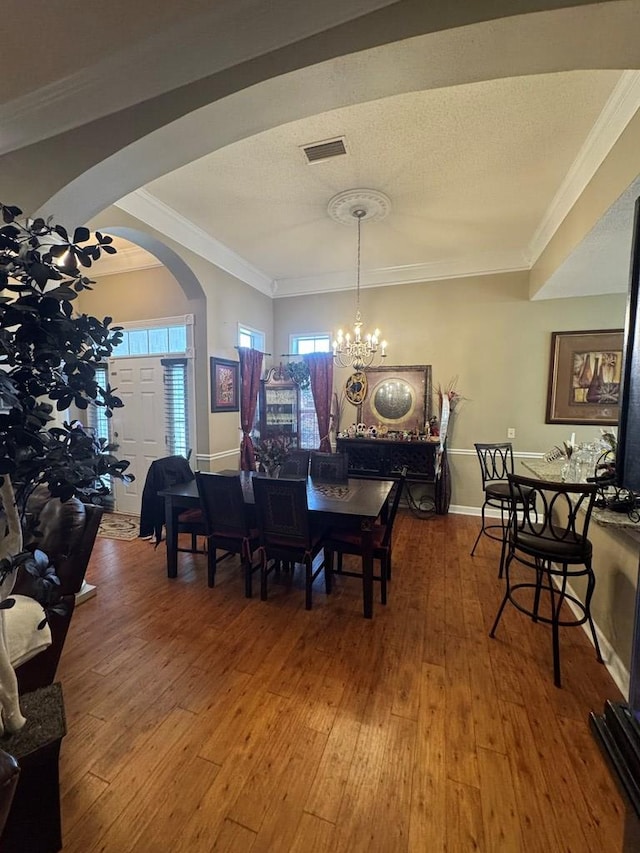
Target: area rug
[{"x": 119, "y": 525}]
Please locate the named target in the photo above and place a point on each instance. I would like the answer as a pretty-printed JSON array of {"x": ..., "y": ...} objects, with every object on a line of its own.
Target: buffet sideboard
[{"x": 381, "y": 458}]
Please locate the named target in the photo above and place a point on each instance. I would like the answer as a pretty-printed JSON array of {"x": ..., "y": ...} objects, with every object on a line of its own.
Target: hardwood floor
[{"x": 199, "y": 720}]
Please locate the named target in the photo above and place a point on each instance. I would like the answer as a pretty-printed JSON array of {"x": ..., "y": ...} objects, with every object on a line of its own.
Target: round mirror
[{"x": 393, "y": 400}]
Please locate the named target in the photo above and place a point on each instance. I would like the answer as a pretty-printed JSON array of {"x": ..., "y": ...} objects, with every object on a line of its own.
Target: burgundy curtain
[
  {"x": 321, "y": 372},
  {"x": 250, "y": 371}
]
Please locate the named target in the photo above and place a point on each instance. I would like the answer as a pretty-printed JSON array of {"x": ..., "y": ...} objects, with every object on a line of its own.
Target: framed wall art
[
  {"x": 225, "y": 385},
  {"x": 397, "y": 397},
  {"x": 584, "y": 377}
]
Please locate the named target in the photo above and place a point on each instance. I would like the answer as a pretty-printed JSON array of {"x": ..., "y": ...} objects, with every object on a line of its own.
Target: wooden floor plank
[
  {"x": 427, "y": 813},
  {"x": 500, "y": 820},
  {"x": 200, "y": 720}
]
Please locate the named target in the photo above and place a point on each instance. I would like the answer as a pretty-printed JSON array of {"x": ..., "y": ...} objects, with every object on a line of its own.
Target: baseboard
[
  {"x": 614, "y": 665},
  {"x": 86, "y": 591}
]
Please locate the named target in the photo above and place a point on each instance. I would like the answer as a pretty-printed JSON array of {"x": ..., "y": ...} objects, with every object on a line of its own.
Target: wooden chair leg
[
  {"x": 248, "y": 573},
  {"x": 264, "y": 563},
  {"x": 308, "y": 572},
  {"x": 211, "y": 567}
]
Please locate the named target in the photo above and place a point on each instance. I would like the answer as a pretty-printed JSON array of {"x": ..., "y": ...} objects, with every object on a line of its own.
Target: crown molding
[
  {"x": 129, "y": 259},
  {"x": 169, "y": 222},
  {"x": 610, "y": 124},
  {"x": 484, "y": 264}
]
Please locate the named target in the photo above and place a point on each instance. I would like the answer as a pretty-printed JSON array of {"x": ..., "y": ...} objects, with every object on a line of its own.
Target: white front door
[{"x": 138, "y": 429}]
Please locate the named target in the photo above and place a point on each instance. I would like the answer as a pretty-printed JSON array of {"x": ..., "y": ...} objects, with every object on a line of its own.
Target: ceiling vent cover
[{"x": 319, "y": 151}]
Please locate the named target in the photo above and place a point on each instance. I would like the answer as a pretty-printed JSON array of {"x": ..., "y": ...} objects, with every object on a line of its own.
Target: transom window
[{"x": 161, "y": 340}]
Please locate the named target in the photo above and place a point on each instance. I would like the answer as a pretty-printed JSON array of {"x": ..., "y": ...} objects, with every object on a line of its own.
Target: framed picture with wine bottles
[{"x": 584, "y": 377}]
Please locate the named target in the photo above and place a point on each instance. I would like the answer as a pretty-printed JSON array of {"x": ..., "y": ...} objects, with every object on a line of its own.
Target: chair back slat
[
  {"x": 555, "y": 513},
  {"x": 329, "y": 467},
  {"x": 282, "y": 512},
  {"x": 223, "y": 504},
  {"x": 296, "y": 464},
  {"x": 496, "y": 461}
]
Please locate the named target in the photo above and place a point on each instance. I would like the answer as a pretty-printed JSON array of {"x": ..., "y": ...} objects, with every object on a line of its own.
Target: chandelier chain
[
  {"x": 359, "y": 214},
  {"x": 357, "y": 352}
]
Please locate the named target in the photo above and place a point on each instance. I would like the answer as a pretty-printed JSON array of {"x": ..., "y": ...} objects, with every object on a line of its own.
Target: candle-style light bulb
[{"x": 383, "y": 346}]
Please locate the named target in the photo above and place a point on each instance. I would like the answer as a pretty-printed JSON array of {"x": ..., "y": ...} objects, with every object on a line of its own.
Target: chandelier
[{"x": 355, "y": 349}]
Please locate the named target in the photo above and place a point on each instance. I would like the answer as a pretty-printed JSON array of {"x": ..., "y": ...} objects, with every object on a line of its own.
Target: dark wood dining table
[{"x": 354, "y": 504}]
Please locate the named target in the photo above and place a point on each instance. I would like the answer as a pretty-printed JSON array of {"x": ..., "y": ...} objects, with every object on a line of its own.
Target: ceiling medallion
[{"x": 342, "y": 207}]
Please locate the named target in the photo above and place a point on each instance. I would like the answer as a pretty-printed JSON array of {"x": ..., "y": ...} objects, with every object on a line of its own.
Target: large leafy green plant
[{"x": 48, "y": 358}]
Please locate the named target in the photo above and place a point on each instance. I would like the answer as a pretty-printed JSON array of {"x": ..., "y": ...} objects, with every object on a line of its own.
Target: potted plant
[{"x": 48, "y": 358}]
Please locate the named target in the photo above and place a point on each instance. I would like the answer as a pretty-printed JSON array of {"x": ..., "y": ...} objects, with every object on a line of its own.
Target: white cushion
[{"x": 21, "y": 621}]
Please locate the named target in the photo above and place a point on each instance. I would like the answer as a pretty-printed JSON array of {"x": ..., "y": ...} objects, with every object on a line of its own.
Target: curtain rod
[{"x": 264, "y": 353}]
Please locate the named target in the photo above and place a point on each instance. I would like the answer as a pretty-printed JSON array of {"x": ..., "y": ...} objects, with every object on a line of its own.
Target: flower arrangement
[
  {"x": 270, "y": 453},
  {"x": 449, "y": 390}
]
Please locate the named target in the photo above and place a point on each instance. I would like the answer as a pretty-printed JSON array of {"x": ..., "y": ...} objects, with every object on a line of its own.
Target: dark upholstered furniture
[
  {"x": 227, "y": 523},
  {"x": 350, "y": 542},
  {"x": 65, "y": 532},
  {"x": 9, "y": 772},
  {"x": 285, "y": 531},
  {"x": 329, "y": 467},
  {"x": 169, "y": 471},
  {"x": 296, "y": 464},
  {"x": 548, "y": 551}
]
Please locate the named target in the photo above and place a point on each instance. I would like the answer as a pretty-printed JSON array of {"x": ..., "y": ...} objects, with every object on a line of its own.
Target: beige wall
[
  {"x": 143, "y": 295},
  {"x": 485, "y": 331},
  {"x": 218, "y": 302}
]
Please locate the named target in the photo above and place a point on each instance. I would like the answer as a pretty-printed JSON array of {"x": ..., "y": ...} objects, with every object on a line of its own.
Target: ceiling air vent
[{"x": 319, "y": 151}]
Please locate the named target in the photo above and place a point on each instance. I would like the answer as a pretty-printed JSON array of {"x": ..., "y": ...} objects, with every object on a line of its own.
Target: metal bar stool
[
  {"x": 548, "y": 540},
  {"x": 496, "y": 463}
]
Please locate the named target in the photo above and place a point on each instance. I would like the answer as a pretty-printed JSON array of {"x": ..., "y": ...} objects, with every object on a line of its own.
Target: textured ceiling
[{"x": 470, "y": 170}]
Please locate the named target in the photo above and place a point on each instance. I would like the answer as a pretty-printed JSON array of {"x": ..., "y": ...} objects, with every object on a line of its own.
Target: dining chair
[
  {"x": 548, "y": 550},
  {"x": 329, "y": 467},
  {"x": 345, "y": 541},
  {"x": 164, "y": 472},
  {"x": 286, "y": 533},
  {"x": 496, "y": 464},
  {"x": 227, "y": 524},
  {"x": 296, "y": 464}
]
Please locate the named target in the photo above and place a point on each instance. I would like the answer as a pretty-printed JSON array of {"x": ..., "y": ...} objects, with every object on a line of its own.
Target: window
[
  {"x": 301, "y": 345},
  {"x": 97, "y": 420},
  {"x": 159, "y": 340},
  {"x": 176, "y": 406},
  {"x": 252, "y": 338}
]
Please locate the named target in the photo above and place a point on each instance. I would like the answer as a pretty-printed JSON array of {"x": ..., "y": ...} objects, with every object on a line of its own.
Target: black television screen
[{"x": 628, "y": 455}]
